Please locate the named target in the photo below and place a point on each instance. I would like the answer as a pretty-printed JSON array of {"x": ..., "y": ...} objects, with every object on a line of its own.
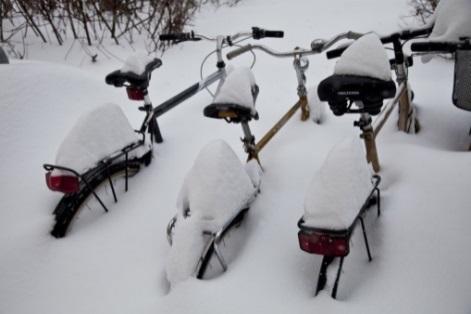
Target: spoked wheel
[
  {"x": 210, "y": 252},
  {"x": 71, "y": 204}
]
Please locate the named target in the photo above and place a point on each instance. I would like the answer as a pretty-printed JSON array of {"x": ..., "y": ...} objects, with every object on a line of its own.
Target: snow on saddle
[
  {"x": 235, "y": 101},
  {"x": 339, "y": 195}
]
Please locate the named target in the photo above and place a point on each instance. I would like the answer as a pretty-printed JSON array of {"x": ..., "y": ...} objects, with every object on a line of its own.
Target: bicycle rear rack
[
  {"x": 102, "y": 165},
  {"x": 346, "y": 233}
]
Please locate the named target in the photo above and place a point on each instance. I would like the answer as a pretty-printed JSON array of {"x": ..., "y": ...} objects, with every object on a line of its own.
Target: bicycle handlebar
[
  {"x": 440, "y": 46},
  {"x": 238, "y": 52},
  {"x": 404, "y": 35},
  {"x": 317, "y": 46},
  {"x": 256, "y": 33},
  {"x": 433, "y": 46}
]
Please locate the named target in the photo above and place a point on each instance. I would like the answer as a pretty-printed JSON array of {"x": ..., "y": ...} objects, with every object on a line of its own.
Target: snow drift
[{"x": 340, "y": 187}]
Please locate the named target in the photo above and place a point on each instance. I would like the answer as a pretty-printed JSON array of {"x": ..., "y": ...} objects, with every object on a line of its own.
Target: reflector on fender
[
  {"x": 135, "y": 93},
  {"x": 62, "y": 183},
  {"x": 324, "y": 243}
]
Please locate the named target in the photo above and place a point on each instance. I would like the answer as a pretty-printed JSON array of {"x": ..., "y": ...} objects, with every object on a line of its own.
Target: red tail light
[
  {"x": 323, "y": 243},
  {"x": 135, "y": 93},
  {"x": 62, "y": 183}
]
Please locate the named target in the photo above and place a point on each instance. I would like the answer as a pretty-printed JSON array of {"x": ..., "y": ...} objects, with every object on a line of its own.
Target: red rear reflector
[
  {"x": 62, "y": 183},
  {"x": 135, "y": 93},
  {"x": 324, "y": 244}
]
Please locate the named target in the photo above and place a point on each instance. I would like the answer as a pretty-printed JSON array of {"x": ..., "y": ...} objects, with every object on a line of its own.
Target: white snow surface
[
  {"x": 340, "y": 187},
  {"x": 103, "y": 130},
  {"x": 136, "y": 63},
  {"x": 365, "y": 57},
  {"x": 237, "y": 88},
  {"x": 116, "y": 262},
  {"x": 452, "y": 20},
  {"x": 217, "y": 186}
]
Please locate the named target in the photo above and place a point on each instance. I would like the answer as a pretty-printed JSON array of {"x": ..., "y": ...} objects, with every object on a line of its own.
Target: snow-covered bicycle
[
  {"x": 102, "y": 145},
  {"x": 341, "y": 193},
  {"x": 219, "y": 189}
]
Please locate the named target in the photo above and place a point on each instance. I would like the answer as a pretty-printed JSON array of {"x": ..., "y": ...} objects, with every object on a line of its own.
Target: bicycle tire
[
  {"x": 70, "y": 204},
  {"x": 235, "y": 223}
]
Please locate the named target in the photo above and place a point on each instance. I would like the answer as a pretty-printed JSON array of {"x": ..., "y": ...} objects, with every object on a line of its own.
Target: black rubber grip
[
  {"x": 276, "y": 34},
  {"x": 259, "y": 33},
  {"x": 335, "y": 53},
  {"x": 433, "y": 46},
  {"x": 176, "y": 36},
  {"x": 410, "y": 34}
]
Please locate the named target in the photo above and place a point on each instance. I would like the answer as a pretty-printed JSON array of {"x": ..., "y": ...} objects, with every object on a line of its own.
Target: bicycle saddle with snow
[
  {"x": 362, "y": 75},
  {"x": 235, "y": 101},
  {"x": 136, "y": 72}
]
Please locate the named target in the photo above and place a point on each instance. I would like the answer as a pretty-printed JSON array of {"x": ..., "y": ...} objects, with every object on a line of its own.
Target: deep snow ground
[{"x": 114, "y": 263}]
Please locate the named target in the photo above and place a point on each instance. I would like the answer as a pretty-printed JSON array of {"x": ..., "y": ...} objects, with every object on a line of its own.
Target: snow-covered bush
[
  {"x": 423, "y": 9},
  {"x": 92, "y": 21}
]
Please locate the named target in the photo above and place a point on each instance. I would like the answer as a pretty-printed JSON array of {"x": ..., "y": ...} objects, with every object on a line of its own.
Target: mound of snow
[
  {"x": 452, "y": 20},
  {"x": 339, "y": 188},
  {"x": 365, "y": 57},
  {"x": 217, "y": 186},
  {"x": 237, "y": 89},
  {"x": 96, "y": 134}
]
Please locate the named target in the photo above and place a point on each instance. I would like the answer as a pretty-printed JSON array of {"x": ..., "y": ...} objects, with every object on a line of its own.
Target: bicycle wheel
[{"x": 71, "y": 204}]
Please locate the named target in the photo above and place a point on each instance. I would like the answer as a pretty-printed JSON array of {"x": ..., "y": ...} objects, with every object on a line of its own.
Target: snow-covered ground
[{"x": 115, "y": 262}]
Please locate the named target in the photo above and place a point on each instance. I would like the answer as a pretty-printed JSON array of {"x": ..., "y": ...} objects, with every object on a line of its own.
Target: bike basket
[{"x": 462, "y": 80}]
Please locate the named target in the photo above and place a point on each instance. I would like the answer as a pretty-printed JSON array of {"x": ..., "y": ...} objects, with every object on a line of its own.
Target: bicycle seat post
[
  {"x": 249, "y": 142},
  {"x": 368, "y": 136},
  {"x": 150, "y": 122}
]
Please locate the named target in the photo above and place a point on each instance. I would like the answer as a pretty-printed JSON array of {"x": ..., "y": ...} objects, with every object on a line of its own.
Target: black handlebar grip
[
  {"x": 335, "y": 53},
  {"x": 177, "y": 36},
  {"x": 433, "y": 46},
  {"x": 275, "y": 34},
  {"x": 259, "y": 33},
  {"x": 410, "y": 34}
]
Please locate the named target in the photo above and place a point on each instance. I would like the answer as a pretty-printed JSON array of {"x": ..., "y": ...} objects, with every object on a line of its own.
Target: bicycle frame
[
  {"x": 154, "y": 113},
  {"x": 301, "y": 104},
  {"x": 217, "y": 76},
  {"x": 301, "y": 64}
]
